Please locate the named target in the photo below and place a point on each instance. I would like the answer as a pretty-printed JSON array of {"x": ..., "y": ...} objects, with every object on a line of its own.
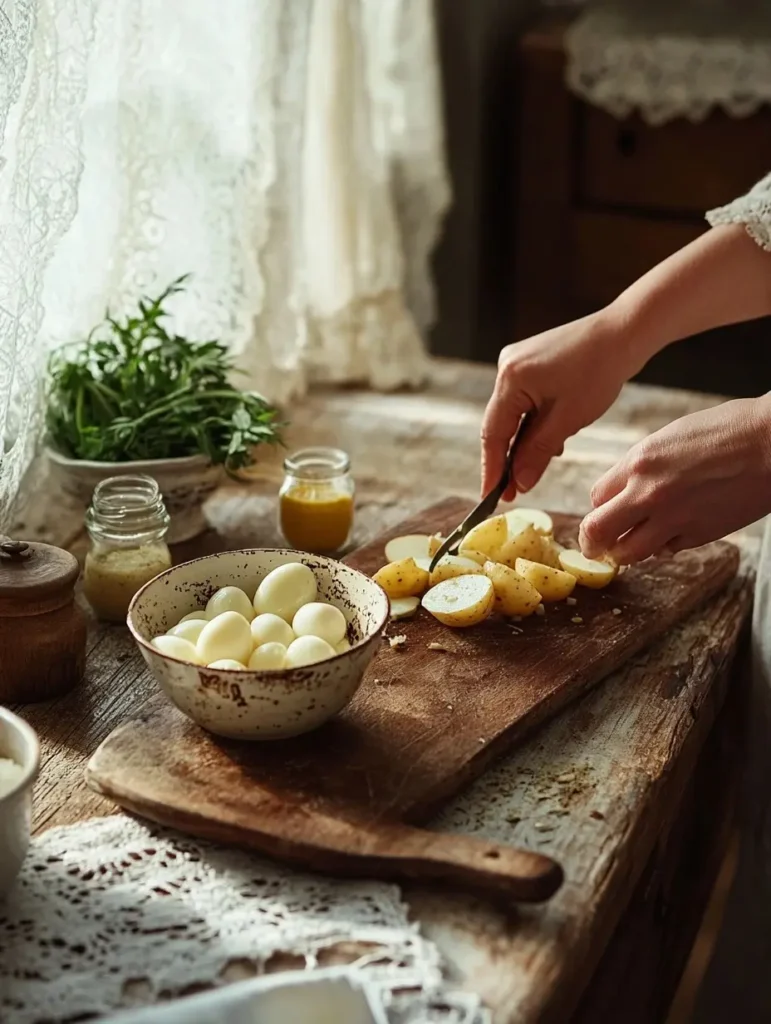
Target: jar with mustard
[
  {"x": 316, "y": 500},
  {"x": 127, "y": 523}
]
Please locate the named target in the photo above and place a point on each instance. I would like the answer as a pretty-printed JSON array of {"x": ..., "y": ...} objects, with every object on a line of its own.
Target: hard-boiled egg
[
  {"x": 269, "y": 629},
  {"x": 177, "y": 647},
  {"x": 188, "y": 629},
  {"x": 322, "y": 620},
  {"x": 199, "y": 613},
  {"x": 227, "y": 636},
  {"x": 230, "y": 663},
  {"x": 344, "y": 645},
  {"x": 268, "y": 656},
  {"x": 285, "y": 590},
  {"x": 230, "y": 599},
  {"x": 308, "y": 650}
]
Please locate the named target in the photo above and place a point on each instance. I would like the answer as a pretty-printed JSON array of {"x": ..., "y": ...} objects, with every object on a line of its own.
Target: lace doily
[
  {"x": 111, "y": 912},
  {"x": 753, "y": 210},
  {"x": 667, "y": 60}
]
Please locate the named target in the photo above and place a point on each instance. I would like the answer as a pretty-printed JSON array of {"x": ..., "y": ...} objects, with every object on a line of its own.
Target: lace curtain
[{"x": 288, "y": 154}]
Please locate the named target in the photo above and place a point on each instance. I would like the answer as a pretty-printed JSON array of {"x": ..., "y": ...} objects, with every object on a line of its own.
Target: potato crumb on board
[
  {"x": 442, "y": 647},
  {"x": 397, "y": 641},
  {"x": 540, "y": 610},
  {"x": 577, "y": 619},
  {"x": 571, "y": 601},
  {"x": 616, "y": 611}
]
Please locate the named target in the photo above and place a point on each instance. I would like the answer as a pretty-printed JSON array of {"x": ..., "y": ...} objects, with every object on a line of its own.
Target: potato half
[
  {"x": 550, "y": 553},
  {"x": 551, "y": 584},
  {"x": 414, "y": 545},
  {"x": 476, "y": 556},
  {"x": 461, "y": 602},
  {"x": 434, "y": 543},
  {"x": 402, "y": 579},
  {"x": 404, "y": 607},
  {"x": 513, "y": 594},
  {"x": 589, "y": 572},
  {"x": 542, "y": 521},
  {"x": 450, "y": 566},
  {"x": 522, "y": 542},
  {"x": 488, "y": 537}
]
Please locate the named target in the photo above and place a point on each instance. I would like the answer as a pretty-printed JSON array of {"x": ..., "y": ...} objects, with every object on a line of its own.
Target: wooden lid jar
[{"x": 42, "y": 631}]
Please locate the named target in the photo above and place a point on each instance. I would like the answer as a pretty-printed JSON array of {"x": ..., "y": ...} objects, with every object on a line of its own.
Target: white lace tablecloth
[{"x": 112, "y": 905}]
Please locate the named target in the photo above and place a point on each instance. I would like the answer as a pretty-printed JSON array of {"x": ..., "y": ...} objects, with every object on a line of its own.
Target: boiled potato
[
  {"x": 522, "y": 542},
  {"x": 462, "y": 601},
  {"x": 542, "y": 521},
  {"x": 402, "y": 579},
  {"x": 176, "y": 647},
  {"x": 285, "y": 590},
  {"x": 227, "y": 636},
  {"x": 551, "y": 584},
  {"x": 414, "y": 545},
  {"x": 451, "y": 566},
  {"x": 271, "y": 629},
  {"x": 434, "y": 543},
  {"x": 550, "y": 553},
  {"x": 230, "y": 599},
  {"x": 307, "y": 650},
  {"x": 188, "y": 629},
  {"x": 589, "y": 572},
  {"x": 268, "y": 657},
  {"x": 401, "y": 608},
  {"x": 322, "y": 620},
  {"x": 476, "y": 556},
  {"x": 514, "y": 595},
  {"x": 488, "y": 537}
]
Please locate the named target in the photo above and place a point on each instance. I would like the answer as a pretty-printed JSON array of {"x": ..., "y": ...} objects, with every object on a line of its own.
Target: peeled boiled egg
[
  {"x": 343, "y": 646},
  {"x": 321, "y": 620},
  {"x": 188, "y": 629},
  {"x": 230, "y": 663},
  {"x": 308, "y": 650},
  {"x": 227, "y": 636},
  {"x": 199, "y": 613},
  {"x": 268, "y": 628},
  {"x": 285, "y": 590},
  {"x": 177, "y": 647},
  {"x": 230, "y": 599},
  {"x": 269, "y": 656}
]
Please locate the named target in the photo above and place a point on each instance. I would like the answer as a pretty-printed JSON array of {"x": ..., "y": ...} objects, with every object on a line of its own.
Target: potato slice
[
  {"x": 513, "y": 594},
  {"x": 461, "y": 602},
  {"x": 434, "y": 543},
  {"x": 489, "y": 537},
  {"x": 551, "y": 584},
  {"x": 404, "y": 607},
  {"x": 523, "y": 542},
  {"x": 451, "y": 566},
  {"x": 424, "y": 563},
  {"x": 402, "y": 579},
  {"x": 476, "y": 556},
  {"x": 550, "y": 553},
  {"x": 415, "y": 545},
  {"x": 589, "y": 572},
  {"x": 541, "y": 521}
]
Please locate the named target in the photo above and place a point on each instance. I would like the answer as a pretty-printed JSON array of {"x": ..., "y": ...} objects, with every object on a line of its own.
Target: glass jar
[
  {"x": 127, "y": 522},
  {"x": 316, "y": 500}
]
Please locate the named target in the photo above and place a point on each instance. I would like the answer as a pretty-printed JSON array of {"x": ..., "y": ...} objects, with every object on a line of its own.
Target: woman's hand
[
  {"x": 696, "y": 480},
  {"x": 568, "y": 377}
]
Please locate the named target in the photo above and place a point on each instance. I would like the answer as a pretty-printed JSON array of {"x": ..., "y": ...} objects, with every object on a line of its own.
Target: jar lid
[{"x": 31, "y": 572}]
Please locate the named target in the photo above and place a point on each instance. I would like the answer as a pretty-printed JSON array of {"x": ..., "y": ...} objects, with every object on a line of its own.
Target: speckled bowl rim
[
  {"x": 276, "y": 674},
  {"x": 32, "y": 769},
  {"x": 176, "y": 461}
]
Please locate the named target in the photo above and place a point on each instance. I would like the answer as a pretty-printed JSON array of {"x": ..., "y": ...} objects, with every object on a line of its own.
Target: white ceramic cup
[{"x": 18, "y": 742}]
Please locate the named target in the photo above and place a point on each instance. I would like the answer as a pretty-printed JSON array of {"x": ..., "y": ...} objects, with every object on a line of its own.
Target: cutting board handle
[{"x": 416, "y": 853}]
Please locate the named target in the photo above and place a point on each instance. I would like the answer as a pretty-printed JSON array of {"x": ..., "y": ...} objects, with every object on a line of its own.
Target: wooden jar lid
[{"x": 34, "y": 575}]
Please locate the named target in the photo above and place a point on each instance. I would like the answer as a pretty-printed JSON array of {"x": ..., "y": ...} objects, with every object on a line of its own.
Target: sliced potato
[
  {"x": 404, "y": 607},
  {"x": 550, "y": 553},
  {"x": 415, "y": 545},
  {"x": 589, "y": 572},
  {"x": 404, "y": 578},
  {"x": 434, "y": 543},
  {"x": 489, "y": 537},
  {"x": 522, "y": 542},
  {"x": 461, "y": 602},
  {"x": 542, "y": 521},
  {"x": 513, "y": 594},
  {"x": 450, "y": 566},
  {"x": 424, "y": 563},
  {"x": 551, "y": 584},
  {"x": 476, "y": 556}
]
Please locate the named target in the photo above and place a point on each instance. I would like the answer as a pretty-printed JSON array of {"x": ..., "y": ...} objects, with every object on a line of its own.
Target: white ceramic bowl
[
  {"x": 258, "y": 705},
  {"x": 185, "y": 484},
  {"x": 18, "y": 742}
]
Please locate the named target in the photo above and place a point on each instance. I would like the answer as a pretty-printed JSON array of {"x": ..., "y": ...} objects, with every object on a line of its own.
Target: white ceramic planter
[
  {"x": 18, "y": 742},
  {"x": 259, "y": 705},
  {"x": 185, "y": 483}
]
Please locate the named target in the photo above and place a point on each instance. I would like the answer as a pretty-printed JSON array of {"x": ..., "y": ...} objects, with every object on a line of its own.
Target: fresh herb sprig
[{"x": 134, "y": 391}]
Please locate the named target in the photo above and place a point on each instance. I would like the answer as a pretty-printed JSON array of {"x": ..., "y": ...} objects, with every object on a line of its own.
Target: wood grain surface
[{"x": 424, "y": 723}]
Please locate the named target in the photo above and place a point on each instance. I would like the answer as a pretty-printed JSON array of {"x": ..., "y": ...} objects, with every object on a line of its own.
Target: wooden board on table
[{"x": 348, "y": 797}]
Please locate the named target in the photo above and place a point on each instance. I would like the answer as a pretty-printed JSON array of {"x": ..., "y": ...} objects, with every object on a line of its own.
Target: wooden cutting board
[{"x": 348, "y": 798}]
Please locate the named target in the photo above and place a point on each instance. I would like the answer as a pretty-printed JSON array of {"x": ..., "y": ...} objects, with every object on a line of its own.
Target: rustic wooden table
[{"x": 642, "y": 825}]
